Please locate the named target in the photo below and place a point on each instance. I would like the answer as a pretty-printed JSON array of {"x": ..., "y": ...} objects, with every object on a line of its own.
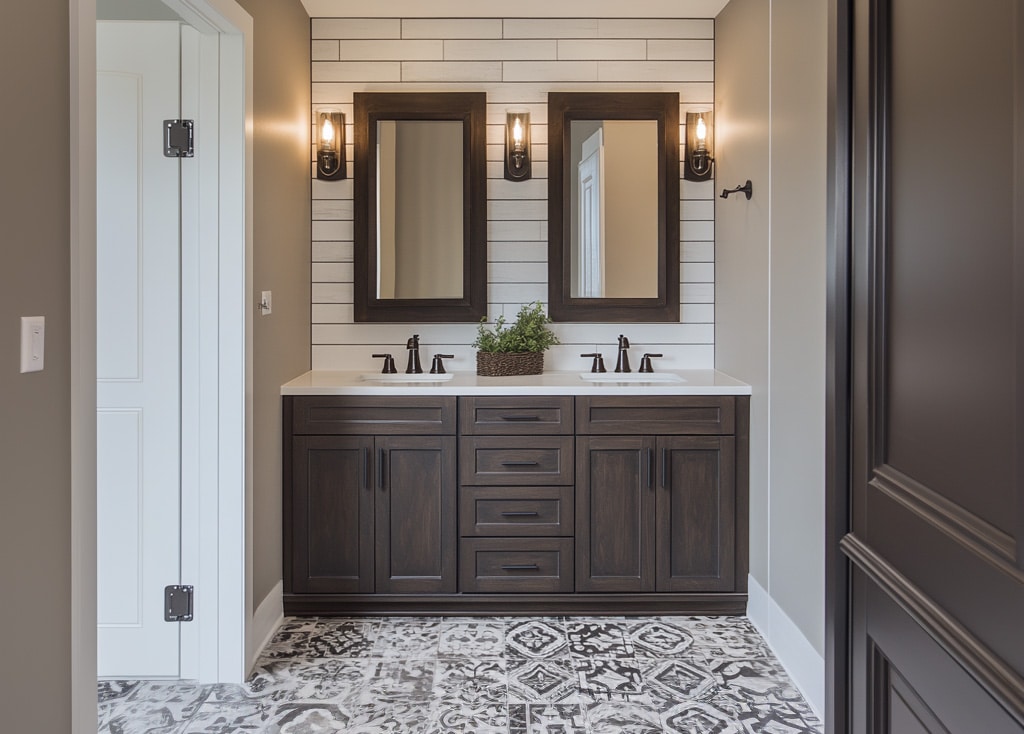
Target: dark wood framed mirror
[
  {"x": 420, "y": 197},
  {"x": 613, "y": 206}
]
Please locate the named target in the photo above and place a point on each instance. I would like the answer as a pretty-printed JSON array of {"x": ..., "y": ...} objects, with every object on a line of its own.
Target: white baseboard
[
  {"x": 268, "y": 617},
  {"x": 797, "y": 655}
]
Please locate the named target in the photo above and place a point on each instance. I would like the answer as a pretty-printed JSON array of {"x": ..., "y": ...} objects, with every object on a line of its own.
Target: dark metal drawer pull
[
  {"x": 520, "y": 463},
  {"x": 520, "y": 417},
  {"x": 520, "y": 513},
  {"x": 521, "y": 567}
]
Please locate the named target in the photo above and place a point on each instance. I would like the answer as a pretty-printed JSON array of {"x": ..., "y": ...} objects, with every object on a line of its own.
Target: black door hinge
[
  {"x": 177, "y": 603},
  {"x": 178, "y": 138}
]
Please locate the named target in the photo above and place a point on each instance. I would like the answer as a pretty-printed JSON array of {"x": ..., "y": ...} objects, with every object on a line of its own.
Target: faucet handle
[
  {"x": 623, "y": 341},
  {"x": 389, "y": 364},
  {"x": 645, "y": 362},
  {"x": 437, "y": 366},
  {"x": 598, "y": 365}
]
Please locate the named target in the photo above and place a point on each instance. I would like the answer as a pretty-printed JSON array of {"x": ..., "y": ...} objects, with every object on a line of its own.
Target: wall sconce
[
  {"x": 517, "y": 146},
  {"x": 699, "y": 144},
  {"x": 330, "y": 147}
]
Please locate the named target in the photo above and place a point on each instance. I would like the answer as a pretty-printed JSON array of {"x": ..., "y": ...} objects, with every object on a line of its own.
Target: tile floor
[{"x": 434, "y": 675}]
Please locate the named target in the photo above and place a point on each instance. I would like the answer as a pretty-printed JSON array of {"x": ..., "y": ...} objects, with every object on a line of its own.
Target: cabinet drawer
[
  {"x": 505, "y": 511},
  {"x": 508, "y": 460},
  {"x": 515, "y": 416},
  {"x": 531, "y": 565},
  {"x": 364, "y": 415},
  {"x": 618, "y": 415}
]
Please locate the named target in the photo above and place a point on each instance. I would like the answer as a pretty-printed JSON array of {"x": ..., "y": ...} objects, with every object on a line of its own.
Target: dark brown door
[
  {"x": 332, "y": 513},
  {"x": 416, "y": 514},
  {"x": 695, "y": 514},
  {"x": 615, "y": 498},
  {"x": 935, "y": 541}
]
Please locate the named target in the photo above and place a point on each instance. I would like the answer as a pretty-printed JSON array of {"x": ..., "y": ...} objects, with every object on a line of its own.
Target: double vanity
[{"x": 554, "y": 493}]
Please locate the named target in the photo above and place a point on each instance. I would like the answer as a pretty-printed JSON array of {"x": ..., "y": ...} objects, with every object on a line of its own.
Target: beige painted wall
[
  {"x": 741, "y": 236},
  {"x": 770, "y": 270},
  {"x": 281, "y": 260},
  {"x": 797, "y": 275},
  {"x": 35, "y": 409}
]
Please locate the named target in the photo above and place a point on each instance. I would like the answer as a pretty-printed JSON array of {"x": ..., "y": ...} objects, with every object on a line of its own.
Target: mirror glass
[
  {"x": 420, "y": 206},
  {"x": 419, "y": 209},
  {"x": 614, "y": 205}
]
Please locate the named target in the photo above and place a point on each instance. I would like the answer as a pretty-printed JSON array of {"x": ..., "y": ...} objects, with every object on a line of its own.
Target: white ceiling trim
[{"x": 517, "y": 9}]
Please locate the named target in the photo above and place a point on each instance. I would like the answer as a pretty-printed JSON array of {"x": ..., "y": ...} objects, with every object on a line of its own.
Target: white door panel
[{"x": 138, "y": 359}]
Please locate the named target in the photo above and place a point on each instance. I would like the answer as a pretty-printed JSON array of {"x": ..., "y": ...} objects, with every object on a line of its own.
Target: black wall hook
[{"x": 747, "y": 188}]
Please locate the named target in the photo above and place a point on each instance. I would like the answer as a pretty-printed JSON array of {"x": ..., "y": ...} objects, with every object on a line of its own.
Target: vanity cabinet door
[
  {"x": 695, "y": 514},
  {"x": 416, "y": 511},
  {"x": 615, "y": 503},
  {"x": 332, "y": 514}
]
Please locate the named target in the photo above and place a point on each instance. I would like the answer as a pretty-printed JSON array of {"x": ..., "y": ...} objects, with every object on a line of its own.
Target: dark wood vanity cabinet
[
  {"x": 525, "y": 503},
  {"x": 655, "y": 513},
  {"x": 371, "y": 513}
]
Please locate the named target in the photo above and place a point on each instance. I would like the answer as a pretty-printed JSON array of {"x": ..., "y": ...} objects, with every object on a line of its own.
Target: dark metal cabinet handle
[
  {"x": 519, "y": 513},
  {"x": 521, "y": 567},
  {"x": 519, "y": 463},
  {"x": 650, "y": 468},
  {"x": 520, "y": 418}
]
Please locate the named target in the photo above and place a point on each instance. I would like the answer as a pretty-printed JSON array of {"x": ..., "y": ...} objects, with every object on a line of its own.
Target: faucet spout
[
  {"x": 622, "y": 363},
  {"x": 413, "y": 345}
]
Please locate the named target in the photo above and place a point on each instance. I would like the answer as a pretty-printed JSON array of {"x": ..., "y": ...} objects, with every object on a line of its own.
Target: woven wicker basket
[{"x": 508, "y": 364}]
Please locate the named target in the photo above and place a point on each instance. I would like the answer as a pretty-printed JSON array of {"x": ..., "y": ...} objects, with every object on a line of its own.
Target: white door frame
[{"x": 221, "y": 501}]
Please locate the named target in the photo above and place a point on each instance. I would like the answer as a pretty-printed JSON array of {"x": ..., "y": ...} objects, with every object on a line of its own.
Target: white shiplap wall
[{"x": 516, "y": 62}]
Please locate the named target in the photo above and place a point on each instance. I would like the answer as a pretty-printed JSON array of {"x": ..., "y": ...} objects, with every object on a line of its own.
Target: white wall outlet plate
[{"x": 33, "y": 340}]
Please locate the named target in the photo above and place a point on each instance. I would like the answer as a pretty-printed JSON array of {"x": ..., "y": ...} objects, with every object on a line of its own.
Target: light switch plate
[
  {"x": 266, "y": 303},
  {"x": 33, "y": 341}
]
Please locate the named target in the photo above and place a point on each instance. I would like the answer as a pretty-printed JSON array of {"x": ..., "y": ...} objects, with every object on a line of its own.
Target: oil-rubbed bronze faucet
[
  {"x": 413, "y": 345},
  {"x": 622, "y": 363}
]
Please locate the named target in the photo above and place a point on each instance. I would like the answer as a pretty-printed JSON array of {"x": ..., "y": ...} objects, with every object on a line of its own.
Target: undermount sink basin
[
  {"x": 406, "y": 379},
  {"x": 635, "y": 377}
]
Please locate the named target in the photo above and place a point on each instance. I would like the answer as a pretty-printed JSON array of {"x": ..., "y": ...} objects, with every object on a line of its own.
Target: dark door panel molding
[
  {"x": 998, "y": 678},
  {"x": 983, "y": 539}
]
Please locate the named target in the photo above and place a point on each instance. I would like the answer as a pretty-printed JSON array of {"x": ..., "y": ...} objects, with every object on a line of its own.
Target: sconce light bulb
[
  {"x": 327, "y": 135},
  {"x": 702, "y": 129},
  {"x": 517, "y": 132}
]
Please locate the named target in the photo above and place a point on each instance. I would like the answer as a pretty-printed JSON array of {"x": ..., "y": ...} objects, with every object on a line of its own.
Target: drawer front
[
  {"x": 666, "y": 415},
  {"x": 523, "y": 565},
  {"x": 363, "y": 416},
  {"x": 520, "y": 511},
  {"x": 515, "y": 416},
  {"x": 512, "y": 460}
]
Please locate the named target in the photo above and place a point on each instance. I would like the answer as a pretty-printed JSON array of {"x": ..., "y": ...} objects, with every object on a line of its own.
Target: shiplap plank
[
  {"x": 550, "y": 28},
  {"x": 445, "y": 28},
  {"x": 602, "y": 49},
  {"x": 499, "y": 50},
  {"x": 356, "y": 28},
  {"x": 359, "y": 50}
]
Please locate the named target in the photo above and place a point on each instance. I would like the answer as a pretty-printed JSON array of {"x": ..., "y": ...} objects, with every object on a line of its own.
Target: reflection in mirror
[
  {"x": 420, "y": 197},
  {"x": 419, "y": 209},
  {"x": 614, "y": 231},
  {"x": 613, "y": 206}
]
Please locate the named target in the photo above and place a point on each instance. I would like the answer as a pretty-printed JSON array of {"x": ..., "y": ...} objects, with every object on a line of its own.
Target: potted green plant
[{"x": 517, "y": 349}]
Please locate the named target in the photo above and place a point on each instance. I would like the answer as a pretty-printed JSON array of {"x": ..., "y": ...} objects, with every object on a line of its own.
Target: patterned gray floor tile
[
  {"x": 546, "y": 718},
  {"x": 618, "y": 717},
  {"x": 462, "y": 675},
  {"x": 541, "y": 681},
  {"x": 535, "y": 638},
  {"x": 472, "y": 682},
  {"x": 471, "y": 639},
  {"x": 610, "y": 680},
  {"x": 606, "y": 639}
]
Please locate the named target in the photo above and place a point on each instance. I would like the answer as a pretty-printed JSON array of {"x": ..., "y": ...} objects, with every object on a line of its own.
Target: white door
[
  {"x": 591, "y": 218},
  {"x": 138, "y": 350}
]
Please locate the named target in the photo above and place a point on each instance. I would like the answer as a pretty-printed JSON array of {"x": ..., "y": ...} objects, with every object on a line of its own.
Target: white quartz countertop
[{"x": 694, "y": 382}]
